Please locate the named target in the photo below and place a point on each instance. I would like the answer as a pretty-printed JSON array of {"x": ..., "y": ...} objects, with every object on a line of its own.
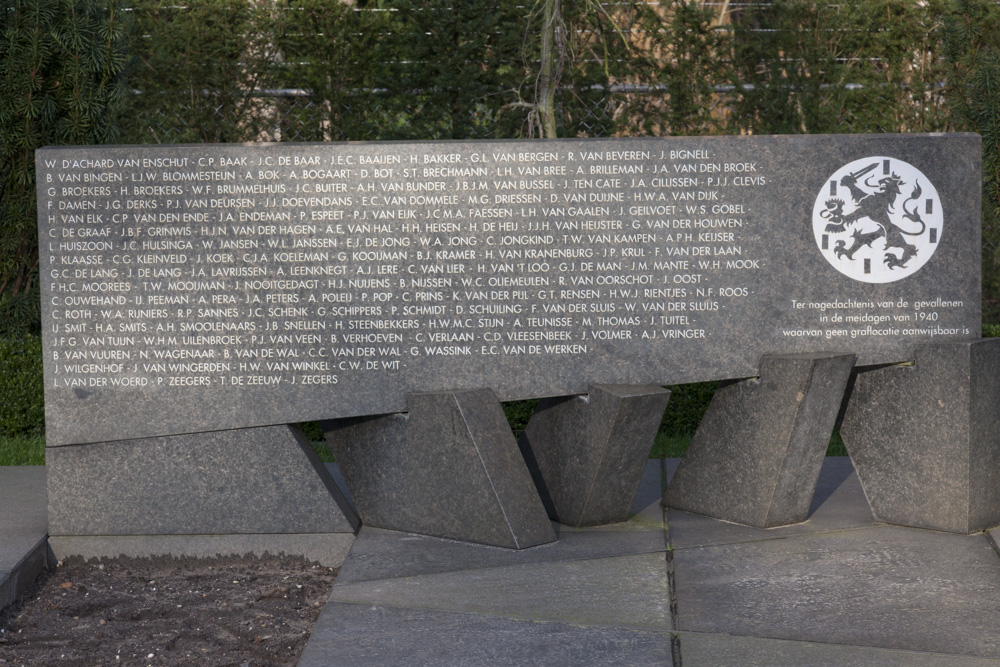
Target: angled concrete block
[
  {"x": 757, "y": 453},
  {"x": 587, "y": 453},
  {"x": 249, "y": 481},
  {"x": 925, "y": 439},
  {"x": 449, "y": 468}
]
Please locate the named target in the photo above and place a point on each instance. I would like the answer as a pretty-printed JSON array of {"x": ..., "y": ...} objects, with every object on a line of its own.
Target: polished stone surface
[
  {"x": 449, "y": 468},
  {"x": 244, "y": 280},
  {"x": 757, "y": 453},
  {"x": 587, "y": 453},
  {"x": 248, "y": 481},
  {"x": 22, "y": 511},
  {"x": 390, "y": 554},
  {"x": 925, "y": 438}
]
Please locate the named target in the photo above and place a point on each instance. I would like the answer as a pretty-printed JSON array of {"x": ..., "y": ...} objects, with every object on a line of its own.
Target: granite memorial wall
[
  {"x": 199, "y": 299},
  {"x": 201, "y": 288}
]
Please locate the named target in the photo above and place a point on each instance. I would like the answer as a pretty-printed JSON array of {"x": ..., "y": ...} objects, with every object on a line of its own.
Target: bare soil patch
[{"x": 238, "y": 611}]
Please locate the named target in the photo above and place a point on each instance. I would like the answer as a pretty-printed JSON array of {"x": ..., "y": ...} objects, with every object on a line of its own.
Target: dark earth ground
[{"x": 243, "y": 612}]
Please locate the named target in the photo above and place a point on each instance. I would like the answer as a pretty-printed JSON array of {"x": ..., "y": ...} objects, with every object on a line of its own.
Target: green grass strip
[{"x": 22, "y": 450}]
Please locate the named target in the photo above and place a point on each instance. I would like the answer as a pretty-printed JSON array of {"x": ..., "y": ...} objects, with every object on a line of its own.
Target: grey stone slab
[
  {"x": 994, "y": 536},
  {"x": 586, "y": 454},
  {"x": 450, "y": 468},
  {"x": 384, "y": 554},
  {"x": 624, "y": 591},
  {"x": 327, "y": 549},
  {"x": 757, "y": 453},
  {"x": 249, "y": 285},
  {"x": 714, "y": 650},
  {"x": 838, "y": 504},
  {"x": 23, "y": 528},
  {"x": 260, "y": 480},
  {"x": 378, "y": 635},
  {"x": 23, "y": 520},
  {"x": 22, "y": 573},
  {"x": 387, "y": 554},
  {"x": 925, "y": 438},
  {"x": 885, "y": 587}
]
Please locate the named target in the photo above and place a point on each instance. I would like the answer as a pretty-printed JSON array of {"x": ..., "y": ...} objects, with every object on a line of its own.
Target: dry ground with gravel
[{"x": 243, "y": 612}]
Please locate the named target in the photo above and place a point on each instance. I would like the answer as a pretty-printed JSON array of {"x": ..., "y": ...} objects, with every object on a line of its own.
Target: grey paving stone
[
  {"x": 23, "y": 528},
  {"x": 994, "y": 536},
  {"x": 839, "y": 503},
  {"x": 16, "y": 581},
  {"x": 387, "y": 554},
  {"x": 884, "y": 586},
  {"x": 625, "y": 591},
  {"x": 253, "y": 481},
  {"x": 757, "y": 453},
  {"x": 449, "y": 468},
  {"x": 712, "y": 650},
  {"x": 23, "y": 517},
  {"x": 381, "y": 636}
]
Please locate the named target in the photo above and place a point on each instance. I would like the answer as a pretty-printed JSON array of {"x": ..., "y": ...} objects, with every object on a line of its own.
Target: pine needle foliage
[
  {"x": 401, "y": 70},
  {"x": 61, "y": 66},
  {"x": 196, "y": 72},
  {"x": 866, "y": 66},
  {"x": 971, "y": 36}
]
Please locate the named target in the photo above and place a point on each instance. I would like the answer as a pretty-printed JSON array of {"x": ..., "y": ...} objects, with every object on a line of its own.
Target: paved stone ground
[
  {"x": 664, "y": 588},
  {"x": 838, "y": 589}
]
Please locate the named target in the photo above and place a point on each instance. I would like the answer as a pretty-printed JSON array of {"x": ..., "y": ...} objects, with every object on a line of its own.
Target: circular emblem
[{"x": 877, "y": 219}]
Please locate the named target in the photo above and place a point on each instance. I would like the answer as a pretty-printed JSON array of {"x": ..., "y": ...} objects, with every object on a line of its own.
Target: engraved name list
[{"x": 244, "y": 285}]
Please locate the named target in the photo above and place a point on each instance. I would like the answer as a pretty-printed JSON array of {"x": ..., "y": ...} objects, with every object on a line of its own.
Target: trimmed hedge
[
  {"x": 688, "y": 403},
  {"x": 22, "y": 404}
]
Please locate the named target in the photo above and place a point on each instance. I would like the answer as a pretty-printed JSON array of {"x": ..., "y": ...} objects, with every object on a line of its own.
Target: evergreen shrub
[
  {"x": 22, "y": 405},
  {"x": 687, "y": 405},
  {"x": 61, "y": 69}
]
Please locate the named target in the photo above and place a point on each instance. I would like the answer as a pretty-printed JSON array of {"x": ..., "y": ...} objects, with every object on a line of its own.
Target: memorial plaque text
[{"x": 192, "y": 288}]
